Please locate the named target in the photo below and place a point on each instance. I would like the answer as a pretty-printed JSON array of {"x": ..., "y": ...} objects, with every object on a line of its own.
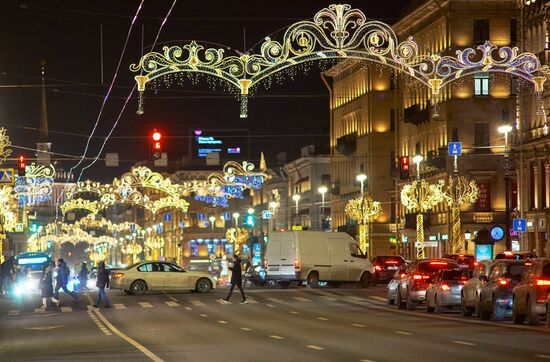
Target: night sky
[{"x": 66, "y": 34}]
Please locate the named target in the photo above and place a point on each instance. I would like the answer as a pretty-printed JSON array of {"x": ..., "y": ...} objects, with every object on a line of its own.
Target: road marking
[
  {"x": 222, "y": 302},
  {"x": 252, "y": 300},
  {"x": 302, "y": 299},
  {"x": 13, "y": 313},
  {"x": 377, "y": 297},
  {"x": 66, "y": 309},
  {"x": 358, "y": 325},
  {"x": 197, "y": 303},
  {"x": 275, "y": 300},
  {"x": 39, "y": 310},
  {"x": 276, "y": 337},
  {"x": 222, "y": 322},
  {"x": 119, "y": 306},
  {"x": 327, "y": 297},
  {"x": 317, "y": 348},
  {"x": 404, "y": 333},
  {"x": 188, "y": 308},
  {"x": 366, "y": 360},
  {"x": 246, "y": 329},
  {"x": 544, "y": 356},
  {"x": 204, "y": 315},
  {"x": 270, "y": 305},
  {"x": 140, "y": 347},
  {"x": 464, "y": 343},
  {"x": 99, "y": 324},
  {"x": 145, "y": 304},
  {"x": 294, "y": 312},
  {"x": 171, "y": 304},
  {"x": 322, "y": 318},
  {"x": 169, "y": 296},
  {"x": 44, "y": 328}
]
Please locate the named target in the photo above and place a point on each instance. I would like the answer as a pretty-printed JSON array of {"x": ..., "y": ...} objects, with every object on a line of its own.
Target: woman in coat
[{"x": 46, "y": 286}]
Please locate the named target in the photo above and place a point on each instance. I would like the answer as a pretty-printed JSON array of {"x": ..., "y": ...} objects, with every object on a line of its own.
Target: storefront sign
[{"x": 483, "y": 201}]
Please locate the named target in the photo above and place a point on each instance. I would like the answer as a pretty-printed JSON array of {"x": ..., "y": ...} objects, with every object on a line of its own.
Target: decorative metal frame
[
  {"x": 364, "y": 210},
  {"x": 340, "y": 32},
  {"x": 5, "y": 143},
  {"x": 81, "y": 204},
  {"x": 169, "y": 202},
  {"x": 36, "y": 185}
]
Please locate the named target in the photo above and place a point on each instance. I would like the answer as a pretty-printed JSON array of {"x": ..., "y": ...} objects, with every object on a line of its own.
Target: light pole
[
  {"x": 212, "y": 220},
  {"x": 505, "y": 129},
  {"x": 273, "y": 207},
  {"x": 467, "y": 236},
  {"x": 322, "y": 190},
  {"x": 236, "y": 217},
  {"x": 296, "y": 199},
  {"x": 362, "y": 178},
  {"x": 420, "y": 254}
]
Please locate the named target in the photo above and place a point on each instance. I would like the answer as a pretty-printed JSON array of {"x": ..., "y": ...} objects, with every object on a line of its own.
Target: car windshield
[
  {"x": 516, "y": 269},
  {"x": 432, "y": 267},
  {"x": 454, "y": 275},
  {"x": 464, "y": 260},
  {"x": 131, "y": 266}
]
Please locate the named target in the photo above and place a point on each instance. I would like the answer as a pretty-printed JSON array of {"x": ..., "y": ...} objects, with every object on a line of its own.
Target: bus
[{"x": 31, "y": 265}]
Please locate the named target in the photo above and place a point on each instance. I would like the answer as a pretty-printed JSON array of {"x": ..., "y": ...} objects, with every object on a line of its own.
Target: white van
[{"x": 315, "y": 256}]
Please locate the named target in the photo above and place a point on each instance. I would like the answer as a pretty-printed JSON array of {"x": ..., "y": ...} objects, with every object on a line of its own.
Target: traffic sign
[
  {"x": 426, "y": 244},
  {"x": 7, "y": 176},
  {"x": 454, "y": 148},
  {"x": 266, "y": 214},
  {"x": 167, "y": 217},
  {"x": 19, "y": 228},
  {"x": 227, "y": 216},
  {"x": 520, "y": 225},
  {"x": 201, "y": 217}
]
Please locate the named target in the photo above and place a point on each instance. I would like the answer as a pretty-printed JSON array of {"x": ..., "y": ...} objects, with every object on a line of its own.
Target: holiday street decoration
[
  {"x": 420, "y": 197},
  {"x": 459, "y": 193},
  {"x": 36, "y": 186},
  {"x": 237, "y": 237},
  {"x": 335, "y": 32},
  {"x": 363, "y": 210},
  {"x": 5, "y": 143}
]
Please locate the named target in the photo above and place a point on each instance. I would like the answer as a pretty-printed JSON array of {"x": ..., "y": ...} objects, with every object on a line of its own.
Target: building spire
[
  {"x": 43, "y": 108},
  {"x": 263, "y": 165}
]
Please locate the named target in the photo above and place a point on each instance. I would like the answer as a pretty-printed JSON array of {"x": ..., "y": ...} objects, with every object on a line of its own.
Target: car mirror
[{"x": 483, "y": 278}]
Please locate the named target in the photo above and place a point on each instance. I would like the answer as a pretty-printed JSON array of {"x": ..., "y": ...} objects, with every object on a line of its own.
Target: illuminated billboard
[{"x": 229, "y": 144}]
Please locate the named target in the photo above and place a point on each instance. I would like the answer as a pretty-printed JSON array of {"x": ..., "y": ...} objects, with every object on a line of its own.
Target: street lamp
[
  {"x": 236, "y": 217},
  {"x": 322, "y": 190},
  {"x": 251, "y": 211},
  {"x": 296, "y": 199},
  {"x": 361, "y": 178},
  {"x": 418, "y": 158},
  {"x": 273, "y": 205},
  {"x": 212, "y": 220},
  {"x": 505, "y": 129},
  {"x": 467, "y": 236}
]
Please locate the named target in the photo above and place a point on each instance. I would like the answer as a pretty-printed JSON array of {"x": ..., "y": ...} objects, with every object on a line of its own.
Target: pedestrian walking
[
  {"x": 8, "y": 275},
  {"x": 46, "y": 286},
  {"x": 236, "y": 279},
  {"x": 83, "y": 276},
  {"x": 102, "y": 282},
  {"x": 62, "y": 279}
]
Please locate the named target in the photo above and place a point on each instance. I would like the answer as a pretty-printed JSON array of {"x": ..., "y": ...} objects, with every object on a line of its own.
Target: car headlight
[
  {"x": 30, "y": 285},
  {"x": 18, "y": 289}
]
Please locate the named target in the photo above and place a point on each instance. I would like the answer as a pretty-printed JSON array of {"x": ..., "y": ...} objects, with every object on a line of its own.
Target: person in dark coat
[
  {"x": 83, "y": 276},
  {"x": 46, "y": 286},
  {"x": 102, "y": 282},
  {"x": 62, "y": 279},
  {"x": 236, "y": 279}
]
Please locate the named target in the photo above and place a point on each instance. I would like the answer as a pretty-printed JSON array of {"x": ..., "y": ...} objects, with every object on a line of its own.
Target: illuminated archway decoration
[
  {"x": 36, "y": 186},
  {"x": 81, "y": 204},
  {"x": 339, "y": 32},
  {"x": 169, "y": 202}
]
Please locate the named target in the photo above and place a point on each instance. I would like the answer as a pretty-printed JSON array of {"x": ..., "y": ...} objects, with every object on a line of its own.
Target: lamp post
[
  {"x": 362, "y": 178},
  {"x": 212, "y": 220},
  {"x": 236, "y": 217},
  {"x": 296, "y": 199},
  {"x": 322, "y": 190},
  {"x": 467, "y": 236},
  {"x": 273, "y": 207},
  {"x": 505, "y": 130},
  {"x": 420, "y": 254}
]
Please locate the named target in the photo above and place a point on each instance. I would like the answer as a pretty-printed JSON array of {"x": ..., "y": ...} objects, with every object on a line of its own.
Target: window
[
  {"x": 145, "y": 268},
  {"x": 481, "y": 30},
  {"x": 168, "y": 267},
  {"x": 481, "y": 134},
  {"x": 481, "y": 84},
  {"x": 355, "y": 250}
]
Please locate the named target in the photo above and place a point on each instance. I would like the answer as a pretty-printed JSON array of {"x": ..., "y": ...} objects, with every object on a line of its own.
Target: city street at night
[{"x": 303, "y": 324}]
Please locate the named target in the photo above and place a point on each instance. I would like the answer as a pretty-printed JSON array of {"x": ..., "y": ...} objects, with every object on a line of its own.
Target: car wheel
[
  {"x": 139, "y": 287},
  {"x": 284, "y": 284},
  {"x": 437, "y": 307},
  {"x": 390, "y": 300},
  {"x": 313, "y": 280},
  {"x": 428, "y": 308},
  {"x": 204, "y": 285},
  {"x": 411, "y": 305},
  {"x": 482, "y": 313},
  {"x": 498, "y": 311},
  {"x": 399, "y": 300},
  {"x": 258, "y": 284},
  {"x": 365, "y": 280},
  {"x": 531, "y": 318},
  {"x": 547, "y": 314},
  {"x": 517, "y": 317},
  {"x": 128, "y": 291},
  {"x": 466, "y": 311}
]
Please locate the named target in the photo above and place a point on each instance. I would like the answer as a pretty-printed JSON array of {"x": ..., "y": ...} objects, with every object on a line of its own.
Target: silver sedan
[{"x": 445, "y": 291}]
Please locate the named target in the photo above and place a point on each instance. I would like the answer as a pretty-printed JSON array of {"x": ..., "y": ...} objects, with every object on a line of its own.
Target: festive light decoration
[
  {"x": 237, "y": 236},
  {"x": 155, "y": 243},
  {"x": 5, "y": 143},
  {"x": 96, "y": 257},
  {"x": 459, "y": 193},
  {"x": 132, "y": 249},
  {"x": 340, "y": 32},
  {"x": 170, "y": 201},
  {"x": 75, "y": 204},
  {"x": 364, "y": 211},
  {"x": 420, "y": 197},
  {"x": 36, "y": 185}
]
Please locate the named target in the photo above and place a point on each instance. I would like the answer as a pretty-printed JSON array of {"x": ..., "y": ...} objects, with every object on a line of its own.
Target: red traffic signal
[
  {"x": 156, "y": 144},
  {"x": 156, "y": 136},
  {"x": 22, "y": 166},
  {"x": 404, "y": 166}
]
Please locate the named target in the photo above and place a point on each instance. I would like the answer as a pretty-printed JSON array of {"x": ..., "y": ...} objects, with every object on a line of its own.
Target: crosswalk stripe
[
  {"x": 275, "y": 300},
  {"x": 39, "y": 310},
  {"x": 276, "y": 337},
  {"x": 188, "y": 308},
  {"x": 222, "y": 302},
  {"x": 145, "y": 304},
  {"x": 66, "y": 309},
  {"x": 326, "y": 297},
  {"x": 171, "y": 303},
  {"x": 246, "y": 329},
  {"x": 377, "y": 297},
  {"x": 252, "y": 300},
  {"x": 119, "y": 306},
  {"x": 317, "y": 348},
  {"x": 302, "y": 299},
  {"x": 222, "y": 322},
  {"x": 322, "y": 318},
  {"x": 358, "y": 325},
  {"x": 197, "y": 303},
  {"x": 13, "y": 313}
]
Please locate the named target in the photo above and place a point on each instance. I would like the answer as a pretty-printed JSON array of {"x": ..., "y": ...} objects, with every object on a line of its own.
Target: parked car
[
  {"x": 256, "y": 275},
  {"x": 463, "y": 261},
  {"x": 315, "y": 256},
  {"x": 472, "y": 288},
  {"x": 411, "y": 289},
  {"x": 394, "y": 283},
  {"x": 445, "y": 290},
  {"x": 385, "y": 267},
  {"x": 530, "y": 296},
  {"x": 146, "y": 276},
  {"x": 516, "y": 255},
  {"x": 495, "y": 298}
]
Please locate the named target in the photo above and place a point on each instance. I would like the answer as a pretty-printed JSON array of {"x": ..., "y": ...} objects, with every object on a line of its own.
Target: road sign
[
  {"x": 266, "y": 214},
  {"x": 201, "y": 217},
  {"x": 454, "y": 148},
  {"x": 132, "y": 227},
  {"x": 182, "y": 224},
  {"x": 520, "y": 225},
  {"x": 7, "y": 176},
  {"x": 167, "y": 217},
  {"x": 426, "y": 244},
  {"x": 227, "y": 216},
  {"x": 206, "y": 224},
  {"x": 19, "y": 228}
]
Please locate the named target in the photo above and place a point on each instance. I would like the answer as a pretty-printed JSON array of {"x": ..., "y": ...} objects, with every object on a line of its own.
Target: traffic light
[
  {"x": 404, "y": 166},
  {"x": 156, "y": 145},
  {"x": 249, "y": 220},
  {"x": 22, "y": 165}
]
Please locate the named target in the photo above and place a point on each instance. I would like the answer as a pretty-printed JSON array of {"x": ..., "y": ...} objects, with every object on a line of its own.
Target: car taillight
[
  {"x": 445, "y": 287},
  {"x": 420, "y": 276},
  {"x": 438, "y": 263},
  {"x": 543, "y": 282},
  {"x": 118, "y": 275},
  {"x": 503, "y": 281},
  {"x": 476, "y": 263},
  {"x": 391, "y": 262},
  {"x": 402, "y": 275},
  {"x": 378, "y": 268},
  {"x": 296, "y": 264}
]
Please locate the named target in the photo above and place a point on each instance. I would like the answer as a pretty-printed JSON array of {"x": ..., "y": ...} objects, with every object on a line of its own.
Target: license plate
[{"x": 392, "y": 268}]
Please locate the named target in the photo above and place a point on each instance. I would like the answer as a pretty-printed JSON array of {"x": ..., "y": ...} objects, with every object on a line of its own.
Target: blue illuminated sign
[{"x": 208, "y": 140}]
